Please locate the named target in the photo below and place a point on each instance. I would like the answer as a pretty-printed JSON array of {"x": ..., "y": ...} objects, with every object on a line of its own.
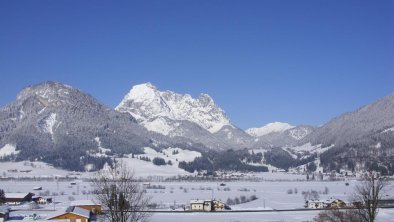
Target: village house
[
  {"x": 18, "y": 198},
  {"x": 197, "y": 205},
  {"x": 42, "y": 200},
  {"x": 337, "y": 203},
  {"x": 72, "y": 214},
  {"x": 218, "y": 206},
  {"x": 87, "y": 205}
]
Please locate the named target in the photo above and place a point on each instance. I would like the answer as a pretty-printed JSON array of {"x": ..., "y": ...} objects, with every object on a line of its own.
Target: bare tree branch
[
  {"x": 121, "y": 195},
  {"x": 367, "y": 196}
]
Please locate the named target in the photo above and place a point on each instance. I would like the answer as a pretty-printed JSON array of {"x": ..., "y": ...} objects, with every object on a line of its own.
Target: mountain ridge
[{"x": 59, "y": 124}]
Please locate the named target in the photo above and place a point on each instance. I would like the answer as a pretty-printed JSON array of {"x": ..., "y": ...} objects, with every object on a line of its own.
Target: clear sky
[{"x": 302, "y": 62}]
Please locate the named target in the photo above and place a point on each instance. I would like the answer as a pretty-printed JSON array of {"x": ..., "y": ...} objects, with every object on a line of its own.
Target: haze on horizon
[{"x": 301, "y": 62}]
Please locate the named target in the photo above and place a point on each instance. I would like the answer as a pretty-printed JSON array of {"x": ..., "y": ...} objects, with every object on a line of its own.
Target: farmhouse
[
  {"x": 18, "y": 198},
  {"x": 218, "y": 205},
  {"x": 337, "y": 203},
  {"x": 87, "y": 205},
  {"x": 72, "y": 214}
]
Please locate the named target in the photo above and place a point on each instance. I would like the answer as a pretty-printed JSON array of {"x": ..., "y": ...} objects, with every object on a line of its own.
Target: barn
[{"x": 18, "y": 198}]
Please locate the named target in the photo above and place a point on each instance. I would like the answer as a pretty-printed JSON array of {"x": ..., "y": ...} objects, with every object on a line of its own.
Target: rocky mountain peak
[
  {"x": 47, "y": 90},
  {"x": 146, "y": 103}
]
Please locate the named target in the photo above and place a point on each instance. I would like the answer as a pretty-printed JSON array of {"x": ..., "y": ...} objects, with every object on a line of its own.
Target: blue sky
[{"x": 302, "y": 62}]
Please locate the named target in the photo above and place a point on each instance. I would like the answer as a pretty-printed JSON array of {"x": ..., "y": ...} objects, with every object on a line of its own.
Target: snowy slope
[
  {"x": 169, "y": 154},
  {"x": 143, "y": 168},
  {"x": 153, "y": 108},
  {"x": 309, "y": 148},
  {"x": 36, "y": 169},
  {"x": 7, "y": 150},
  {"x": 269, "y": 128}
]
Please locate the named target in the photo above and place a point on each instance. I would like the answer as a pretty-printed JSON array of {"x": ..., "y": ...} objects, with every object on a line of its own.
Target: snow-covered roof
[
  {"x": 16, "y": 195},
  {"x": 81, "y": 212},
  {"x": 56, "y": 214},
  {"x": 74, "y": 210},
  {"x": 196, "y": 201},
  {"x": 324, "y": 201},
  {"x": 315, "y": 201},
  {"x": 82, "y": 203},
  {"x": 199, "y": 201}
]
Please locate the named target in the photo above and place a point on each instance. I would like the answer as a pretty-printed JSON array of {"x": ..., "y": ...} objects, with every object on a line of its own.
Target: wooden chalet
[{"x": 72, "y": 214}]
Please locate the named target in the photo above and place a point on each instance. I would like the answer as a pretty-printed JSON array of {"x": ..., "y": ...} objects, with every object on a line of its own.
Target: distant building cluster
[{"x": 208, "y": 205}]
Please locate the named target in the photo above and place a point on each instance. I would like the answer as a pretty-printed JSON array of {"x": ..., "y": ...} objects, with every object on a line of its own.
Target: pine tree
[{"x": 2, "y": 197}]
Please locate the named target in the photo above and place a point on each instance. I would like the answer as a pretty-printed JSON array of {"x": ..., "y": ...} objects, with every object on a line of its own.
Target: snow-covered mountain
[
  {"x": 284, "y": 138},
  {"x": 57, "y": 123},
  {"x": 278, "y": 134},
  {"x": 275, "y": 127},
  {"x": 153, "y": 108},
  {"x": 375, "y": 118},
  {"x": 182, "y": 116}
]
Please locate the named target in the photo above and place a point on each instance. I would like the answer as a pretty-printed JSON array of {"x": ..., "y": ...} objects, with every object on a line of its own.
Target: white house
[
  {"x": 315, "y": 204},
  {"x": 197, "y": 205}
]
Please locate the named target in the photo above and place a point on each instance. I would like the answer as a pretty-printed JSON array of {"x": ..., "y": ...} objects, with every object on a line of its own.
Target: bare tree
[
  {"x": 121, "y": 196},
  {"x": 367, "y": 196}
]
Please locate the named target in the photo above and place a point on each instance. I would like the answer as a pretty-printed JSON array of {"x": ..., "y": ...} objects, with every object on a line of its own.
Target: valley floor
[{"x": 175, "y": 195}]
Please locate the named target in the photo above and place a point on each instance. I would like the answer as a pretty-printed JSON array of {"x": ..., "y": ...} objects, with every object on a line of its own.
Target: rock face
[
  {"x": 154, "y": 109},
  {"x": 177, "y": 115}
]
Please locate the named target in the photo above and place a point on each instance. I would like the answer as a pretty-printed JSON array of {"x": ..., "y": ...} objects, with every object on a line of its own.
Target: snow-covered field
[
  {"x": 272, "y": 190},
  {"x": 270, "y": 194}
]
